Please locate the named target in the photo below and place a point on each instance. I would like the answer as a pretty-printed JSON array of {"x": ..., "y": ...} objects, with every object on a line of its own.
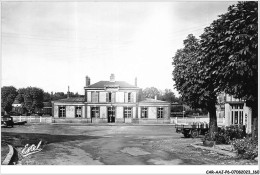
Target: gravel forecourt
[{"x": 65, "y": 144}]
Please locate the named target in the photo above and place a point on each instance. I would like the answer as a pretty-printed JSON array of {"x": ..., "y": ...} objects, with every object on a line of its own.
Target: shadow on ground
[{"x": 21, "y": 139}]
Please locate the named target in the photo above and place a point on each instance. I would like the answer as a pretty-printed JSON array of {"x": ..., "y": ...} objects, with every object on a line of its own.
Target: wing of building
[
  {"x": 111, "y": 102},
  {"x": 234, "y": 111}
]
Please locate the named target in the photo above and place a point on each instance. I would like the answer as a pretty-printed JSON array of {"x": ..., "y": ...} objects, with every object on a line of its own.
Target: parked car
[{"x": 7, "y": 121}]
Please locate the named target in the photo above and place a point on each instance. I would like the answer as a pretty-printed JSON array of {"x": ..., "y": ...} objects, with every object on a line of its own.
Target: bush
[
  {"x": 225, "y": 135},
  {"x": 247, "y": 148}
]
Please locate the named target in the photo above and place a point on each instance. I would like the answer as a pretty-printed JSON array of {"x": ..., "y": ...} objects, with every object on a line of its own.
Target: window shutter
[
  {"x": 107, "y": 95},
  {"x": 132, "y": 97},
  {"x": 92, "y": 96},
  {"x": 126, "y": 97},
  {"x": 113, "y": 97}
]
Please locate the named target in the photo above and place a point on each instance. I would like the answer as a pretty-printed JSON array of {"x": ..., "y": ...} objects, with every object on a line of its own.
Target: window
[
  {"x": 110, "y": 97},
  {"x": 237, "y": 114},
  {"x": 159, "y": 112},
  {"x": 95, "y": 112},
  {"x": 127, "y": 112},
  {"x": 129, "y": 97},
  {"x": 94, "y": 97},
  {"x": 144, "y": 112},
  {"x": 62, "y": 111},
  {"x": 241, "y": 117},
  {"x": 78, "y": 112}
]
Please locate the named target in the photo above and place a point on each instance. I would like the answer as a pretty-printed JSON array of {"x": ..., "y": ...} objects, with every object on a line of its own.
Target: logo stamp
[{"x": 28, "y": 150}]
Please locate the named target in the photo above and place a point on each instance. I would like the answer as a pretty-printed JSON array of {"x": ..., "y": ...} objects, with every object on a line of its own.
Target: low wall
[
  {"x": 98, "y": 120},
  {"x": 151, "y": 121},
  {"x": 32, "y": 119},
  {"x": 119, "y": 120},
  {"x": 71, "y": 120}
]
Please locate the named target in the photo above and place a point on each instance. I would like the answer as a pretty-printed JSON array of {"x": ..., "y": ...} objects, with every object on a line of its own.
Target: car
[{"x": 7, "y": 121}]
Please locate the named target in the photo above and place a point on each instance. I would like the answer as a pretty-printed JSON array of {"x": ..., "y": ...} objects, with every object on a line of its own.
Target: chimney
[
  {"x": 112, "y": 78},
  {"x": 136, "y": 81},
  {"x": 68, "y": 93},
  {"x": 155, "y": 97},
  {"x": 87, "y": 81}
]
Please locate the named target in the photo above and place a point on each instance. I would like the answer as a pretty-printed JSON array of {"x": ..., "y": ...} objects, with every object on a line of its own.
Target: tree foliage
[
  {"x": 230, "y": 49},
  {"x": 225, "y": 59},
  {"x": 8, "y": 94},
  {"x": 166, "y": 95},
  {"x": 31, "y": 98},
  {"x": 151, "y": 92},
  {"x": 169, "y": 96},
  {"x": 196, "y": 90}
]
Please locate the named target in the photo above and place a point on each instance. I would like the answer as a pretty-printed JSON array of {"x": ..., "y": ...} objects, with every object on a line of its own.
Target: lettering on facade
[
  {"x": 28, "y": 150},
  {"x": 111, "y": 87}
]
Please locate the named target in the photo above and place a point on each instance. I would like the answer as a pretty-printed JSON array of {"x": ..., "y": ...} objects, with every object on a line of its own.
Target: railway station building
[{"x": 110, "y": 102}]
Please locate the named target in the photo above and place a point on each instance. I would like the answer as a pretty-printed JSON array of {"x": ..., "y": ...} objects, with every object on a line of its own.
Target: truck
[{"x": 192, "y": 130}]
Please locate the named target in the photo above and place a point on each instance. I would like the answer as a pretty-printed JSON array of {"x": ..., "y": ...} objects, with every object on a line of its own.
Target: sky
[{"x": 53, "y": 45}]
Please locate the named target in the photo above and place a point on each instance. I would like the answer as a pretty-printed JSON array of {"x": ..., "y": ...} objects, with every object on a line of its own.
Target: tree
[
  {"x": 58, "y": 95},
  {"x": 151, "y": 92},
  {"x": 31, "y": 98},
  {"x": 47, "y": 97},
  {"x": 230, "y": 49},
  {"x": 169, "y": 96},
  {"x": 195, "y": 88},
  {"x": 8, "y": 94}
]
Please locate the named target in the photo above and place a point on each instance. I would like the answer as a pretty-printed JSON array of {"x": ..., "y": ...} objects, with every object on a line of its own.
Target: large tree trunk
[{"x": 213, "y": 126}]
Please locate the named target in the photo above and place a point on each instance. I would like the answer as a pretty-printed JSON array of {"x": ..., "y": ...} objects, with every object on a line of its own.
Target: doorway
[{"x": 111, "y": 115}]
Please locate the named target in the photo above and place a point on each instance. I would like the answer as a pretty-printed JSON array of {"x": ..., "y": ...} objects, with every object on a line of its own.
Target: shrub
[
  {"x": 225, "y": 135},
  {"x": 246, "y": 148}
]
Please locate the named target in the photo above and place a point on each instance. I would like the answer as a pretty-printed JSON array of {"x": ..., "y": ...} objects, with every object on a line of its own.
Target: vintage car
[{"x": 7, "y": 121}]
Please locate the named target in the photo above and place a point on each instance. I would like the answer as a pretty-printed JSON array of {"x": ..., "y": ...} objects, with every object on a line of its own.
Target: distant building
[
  {"x": 234, "y": 111},
  {"x": 111, "y": 102}
]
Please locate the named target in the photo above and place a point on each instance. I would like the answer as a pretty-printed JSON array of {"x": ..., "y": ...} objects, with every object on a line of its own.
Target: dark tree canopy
[
  {"x": 8, "y": 94},
  {"x": 196, "y": 90},
  {"x": 230, "y": 48},
  {"x": 31, "y": 98},
  {"x": 224, "y": 60}
]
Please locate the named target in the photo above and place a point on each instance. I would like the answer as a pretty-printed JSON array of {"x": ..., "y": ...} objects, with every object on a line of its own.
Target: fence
[
  {"x": 185, "y": 120},
  {"x": 32, "y": 119}
]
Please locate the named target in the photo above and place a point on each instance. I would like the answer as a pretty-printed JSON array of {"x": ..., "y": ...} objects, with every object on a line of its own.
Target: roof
[
  {"x": 71, "y": 99},
  {"x": 121, "y": 84},
  {"x": 151, "y": 100}
]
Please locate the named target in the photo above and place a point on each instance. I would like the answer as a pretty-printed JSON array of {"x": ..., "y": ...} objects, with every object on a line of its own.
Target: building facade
[
  {"x": 111, "y": 102},
  {"x": 234, "y": 111}
]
